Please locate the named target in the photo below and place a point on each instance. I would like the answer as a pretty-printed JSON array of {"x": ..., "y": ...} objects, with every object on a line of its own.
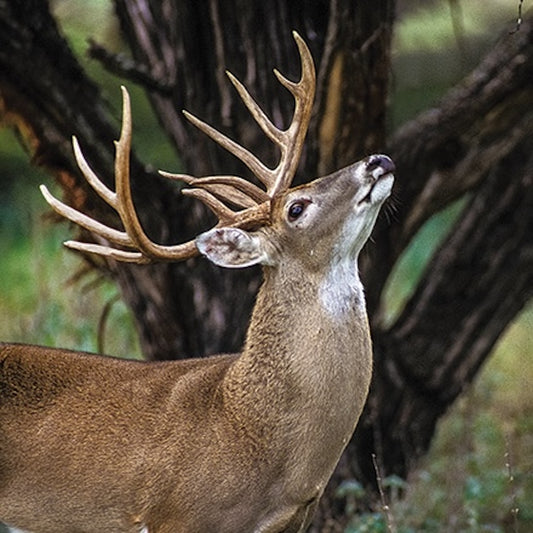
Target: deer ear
[{"x": 232, "y": 247}]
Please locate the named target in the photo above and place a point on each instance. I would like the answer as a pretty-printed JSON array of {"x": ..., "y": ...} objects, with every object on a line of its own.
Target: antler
[{"x": 215, "y": 192}]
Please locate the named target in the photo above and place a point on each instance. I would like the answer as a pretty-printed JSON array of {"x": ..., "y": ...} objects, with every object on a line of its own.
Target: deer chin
[
  {"x": 376, "y": 193},
  {"x": 381, "y": 189}
]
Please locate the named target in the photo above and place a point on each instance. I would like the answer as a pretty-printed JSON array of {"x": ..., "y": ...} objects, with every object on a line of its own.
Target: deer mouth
[{"x": 379, "y": 191}]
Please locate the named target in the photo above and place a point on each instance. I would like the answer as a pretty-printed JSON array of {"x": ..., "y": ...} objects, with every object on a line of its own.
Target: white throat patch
[{"x": 341, "y": 290}]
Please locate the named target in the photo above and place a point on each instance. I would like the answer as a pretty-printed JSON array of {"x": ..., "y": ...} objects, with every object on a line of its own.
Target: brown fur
[{"x": 228, "y": 443}]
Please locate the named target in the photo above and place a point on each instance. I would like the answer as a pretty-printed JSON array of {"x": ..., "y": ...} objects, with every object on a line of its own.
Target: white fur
[{"x": 342, "y": 290}]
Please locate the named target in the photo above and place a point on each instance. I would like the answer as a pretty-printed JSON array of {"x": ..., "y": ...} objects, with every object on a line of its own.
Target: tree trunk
[{"x": 477, "y": 142}]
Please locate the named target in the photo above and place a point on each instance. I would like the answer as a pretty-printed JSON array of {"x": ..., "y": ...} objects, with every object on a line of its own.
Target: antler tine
[
  {"x": 105, "y": 193},
  {"x": 290, "y": 140},
  {"x": 232, "y": 189},
  {"x": 111, "y": 234},
  {"x": 294, "y": 136},
  {"x": 262, "y": 172},
  {"x": 121, "y": 200}
]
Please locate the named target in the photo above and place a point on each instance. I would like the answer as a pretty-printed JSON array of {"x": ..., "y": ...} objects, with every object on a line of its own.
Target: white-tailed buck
[{"x": 232, "y": 443}]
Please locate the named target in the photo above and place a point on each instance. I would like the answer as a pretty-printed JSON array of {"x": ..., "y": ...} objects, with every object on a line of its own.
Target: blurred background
[{"x": 480, "y": 467}]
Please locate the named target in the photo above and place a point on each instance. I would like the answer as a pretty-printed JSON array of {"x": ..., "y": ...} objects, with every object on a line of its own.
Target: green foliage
[
  {"x": 431, "y": 26},
  {"x": 368, "y": 523},
  {"x": 41, "y": 304}
]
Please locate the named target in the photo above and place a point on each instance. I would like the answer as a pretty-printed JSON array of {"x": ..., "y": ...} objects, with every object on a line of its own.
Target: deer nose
[{"x": 379, "y": 165}]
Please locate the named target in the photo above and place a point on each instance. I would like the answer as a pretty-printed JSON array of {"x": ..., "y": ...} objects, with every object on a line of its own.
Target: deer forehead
[{"x": 342, "y": 187}]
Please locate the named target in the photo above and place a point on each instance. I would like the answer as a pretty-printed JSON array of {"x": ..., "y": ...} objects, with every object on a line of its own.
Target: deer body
[
  {"x": 222, "y": 444},
  {"x": 231, "y": 443}
]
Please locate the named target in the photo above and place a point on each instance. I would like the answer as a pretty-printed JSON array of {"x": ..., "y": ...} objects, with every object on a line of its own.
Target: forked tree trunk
[{"x": 478, "y": 142}]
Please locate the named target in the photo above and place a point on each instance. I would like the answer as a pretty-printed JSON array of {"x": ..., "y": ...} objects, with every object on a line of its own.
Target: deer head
[{"x": 314, "y": 206}]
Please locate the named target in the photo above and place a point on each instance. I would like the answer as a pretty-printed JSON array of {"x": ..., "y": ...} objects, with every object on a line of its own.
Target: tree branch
[
  {"x": 449, "y": 150},
  {"x": 479, "y": 279},
  {"x": 126, "y": 68},
  {"x": 453, "y": 319}
]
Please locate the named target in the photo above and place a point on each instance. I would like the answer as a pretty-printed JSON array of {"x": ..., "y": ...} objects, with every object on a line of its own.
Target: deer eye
[{"x": 296, "y": 209}]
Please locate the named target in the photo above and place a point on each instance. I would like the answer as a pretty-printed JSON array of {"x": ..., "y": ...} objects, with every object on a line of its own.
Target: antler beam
[{"x": 216, "y": 192}]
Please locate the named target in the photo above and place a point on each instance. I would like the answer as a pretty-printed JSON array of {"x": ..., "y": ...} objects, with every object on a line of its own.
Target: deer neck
[{"x": 307, "y": 358}]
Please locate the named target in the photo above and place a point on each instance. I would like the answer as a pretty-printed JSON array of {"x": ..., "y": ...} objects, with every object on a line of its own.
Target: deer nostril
[{"x": 382, "y": 162}]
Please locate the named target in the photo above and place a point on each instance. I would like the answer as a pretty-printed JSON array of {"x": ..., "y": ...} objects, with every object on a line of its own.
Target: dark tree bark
[{"x": 477, "y": 142}]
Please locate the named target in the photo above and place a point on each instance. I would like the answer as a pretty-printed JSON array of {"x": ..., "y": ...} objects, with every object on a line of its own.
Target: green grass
[{"x": 464, "y": 484}]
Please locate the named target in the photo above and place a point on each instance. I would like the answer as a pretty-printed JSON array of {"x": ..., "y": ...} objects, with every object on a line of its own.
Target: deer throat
[{"x": 341, "y": 292}]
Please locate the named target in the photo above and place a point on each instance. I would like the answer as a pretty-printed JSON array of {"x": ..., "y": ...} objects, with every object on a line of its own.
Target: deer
[{"x": 231, "y": 443}]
